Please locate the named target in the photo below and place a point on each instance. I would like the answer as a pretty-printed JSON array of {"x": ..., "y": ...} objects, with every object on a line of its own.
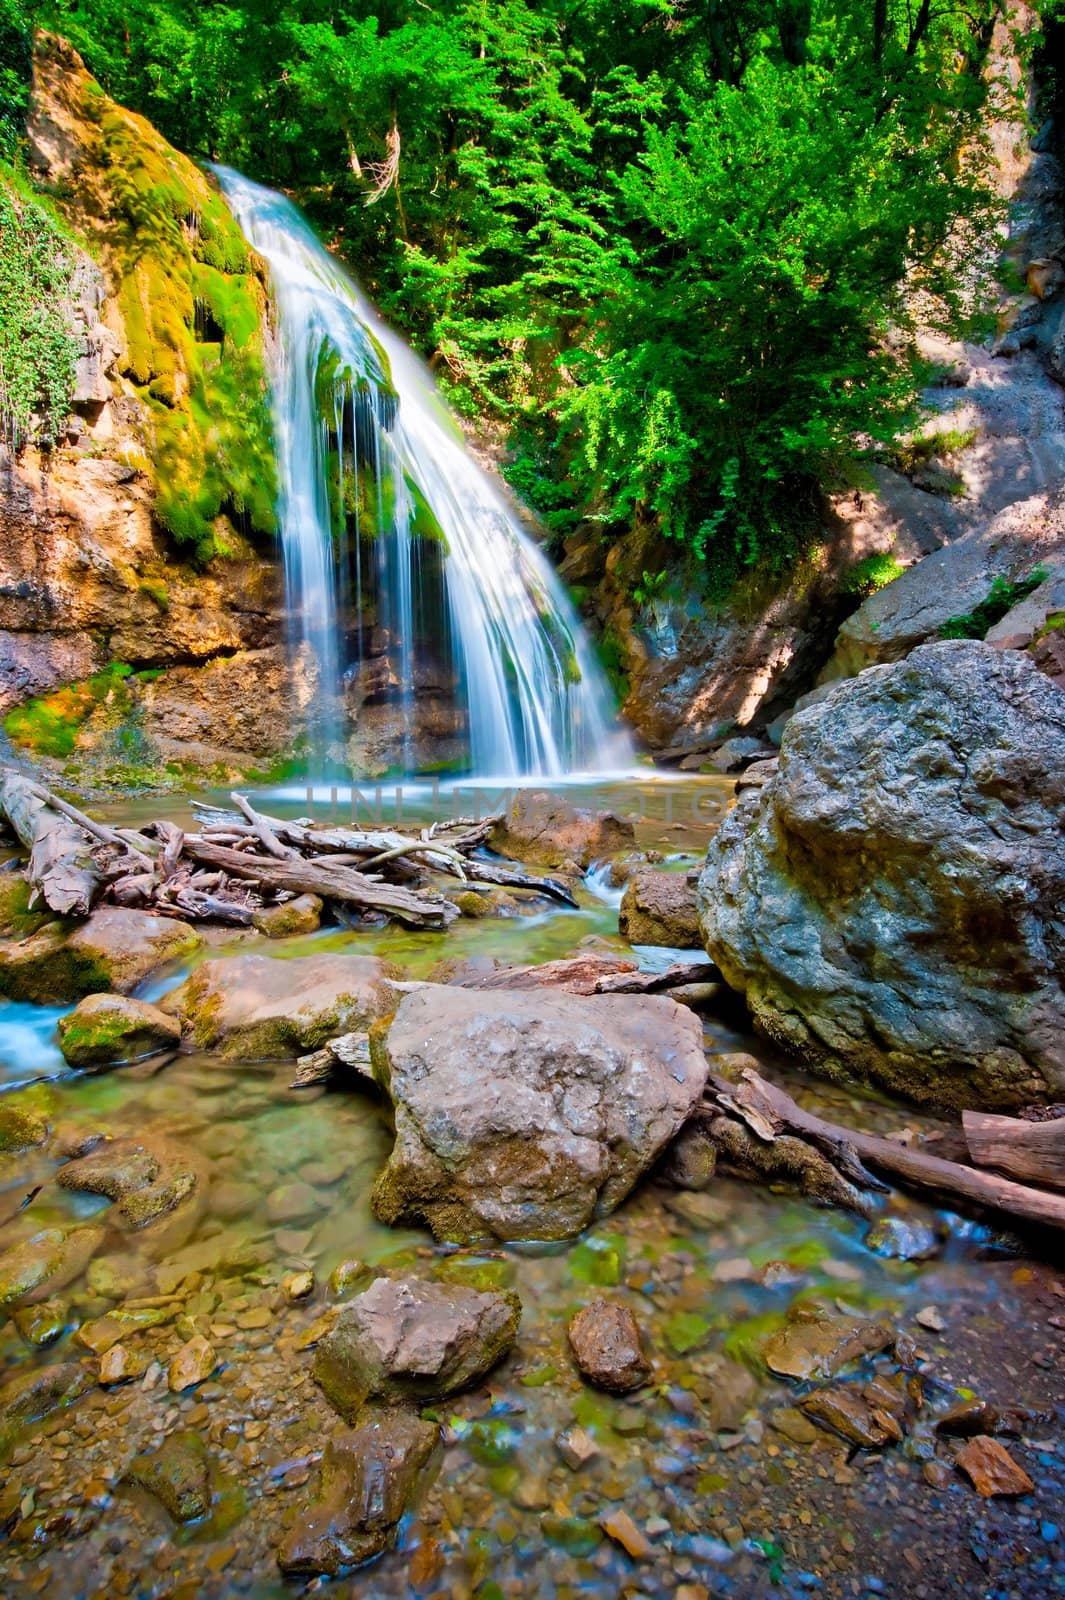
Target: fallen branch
[
  {"x": 264, "y": 833},
  {"x": 1032, "y": 1150},
  {"x": 850, "y": 1149},
  {"x": 61, "y": 868},
  {"x": 330, "y": 882}
]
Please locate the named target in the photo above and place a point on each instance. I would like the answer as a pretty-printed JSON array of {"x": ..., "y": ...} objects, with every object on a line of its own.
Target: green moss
[
  {"x": 49, "y": 725},
  {"x": 917, "y": 452},
  {"x": 17, "y": 921},
  {"x": 21, "y": 1128},
  {"x": 873, "y": 573},
  {"x": 172, "y": 244}
]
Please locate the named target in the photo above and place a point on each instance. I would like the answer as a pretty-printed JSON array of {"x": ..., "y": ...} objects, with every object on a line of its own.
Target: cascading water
[{"x": 384, "y": 516}]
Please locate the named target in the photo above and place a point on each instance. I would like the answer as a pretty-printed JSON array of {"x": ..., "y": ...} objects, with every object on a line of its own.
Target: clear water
[{"x": 445, "y": 567}]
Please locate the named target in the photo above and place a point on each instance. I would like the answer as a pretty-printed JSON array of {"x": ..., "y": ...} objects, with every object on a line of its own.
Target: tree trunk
[
  {"x": 1031, "y": 1150},
  {"x": 61, "y": 867}
]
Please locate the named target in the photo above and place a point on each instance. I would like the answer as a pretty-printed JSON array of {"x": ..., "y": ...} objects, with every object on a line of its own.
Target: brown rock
[
  {"x": 621, "y": 1528},
  {"x": 660, "y": 908},
  {"x": 543, "y": 830},
  {"x": 302, "y": 914},
  {"x": 192, "y": 1364},
  {"x": 607, "y": 1347},
  {"x": 255, "y": 1007},
  {"x": 991, "y": 1468},
  {"x": 405, "y": 1339},
  {"x": 841, "y": 1407},
  {"x": 368, "y": 1475},
  {"x": 821, "y": 1347},
  {"x": 119, "y": 1364}
]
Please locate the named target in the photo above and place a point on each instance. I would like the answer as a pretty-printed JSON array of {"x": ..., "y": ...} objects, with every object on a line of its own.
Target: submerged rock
[
  {"x": 178, "y": 1474},
  {"x": 21, "y": 1128},
  {"x": 606, "y": 1344},
  {"x": 819, "y": 1347},
  {"x": 192, "y": 1364},
  {"x": 146, "y": 1179},
  {"x": 405, "y": 1339},
  {"x": 36, "y": 1268},
  {"x": 902, "y": 1240},
  {"x": 526, "y": 1114},
  {"x": 36, "y": 1394},
  {"x": 660, "y": 908},
  {"x": 115, "y": 949},
  {"x": 889, "y": 903},
  {"x": 543, "y": 830},
  {"x": 368, "y": 1475},
  {"x": 256, "y": 1008},
  {"x": 104, "y": 1030}
]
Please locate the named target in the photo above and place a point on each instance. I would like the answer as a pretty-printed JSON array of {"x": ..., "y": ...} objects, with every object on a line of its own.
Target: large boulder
[
  {"x": 890, "y": 902},
  {"x": 660, "y": 908},
  {"x": 257, "y": 1008},
  {"x": 524, "y": 1114},
  {"x": 115, "y": 949},
  {"x": 544, "y": 830},
  {"x": 407, "y": 1339}
]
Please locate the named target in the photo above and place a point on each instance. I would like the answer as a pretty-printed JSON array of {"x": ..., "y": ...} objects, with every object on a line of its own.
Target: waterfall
[{"x": 409, "y": 580}]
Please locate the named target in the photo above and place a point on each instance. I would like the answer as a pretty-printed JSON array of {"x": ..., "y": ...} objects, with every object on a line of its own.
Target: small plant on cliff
[
  {"x": 1003, "y": 595},
  {"x": 38, "y": 348},
  {"x": 873, "y": 573}
]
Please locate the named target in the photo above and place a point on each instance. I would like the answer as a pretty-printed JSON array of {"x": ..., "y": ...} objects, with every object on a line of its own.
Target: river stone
[
  {"x": 178, "y": 1474},
  {"x": 606, "y": 1344},
  {"x": 258, "y": 1008},
  {"x": 368, "y": 1475},
  {"x": 820, "y": 1346},
  {"x": 115, "y": 949},
  {"x": 48, "y": 1261},
  {"x": 406, "y": 1339},
  {"x": 104, "y": 1030},
  {"x": 526, "y": 1114},
  {"x": 301, "y": 914},
  {"x": 543, "y": 830},
  {"x": 890, "y": 902},
  {"x": 660, "y": 908}
]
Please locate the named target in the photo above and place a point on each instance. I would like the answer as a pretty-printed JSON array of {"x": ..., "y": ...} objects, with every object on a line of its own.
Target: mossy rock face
[
  {"x": 192, "y": 301},
  {"x": 17, "y": 921},
  {"x": 107, "y": 1029}
]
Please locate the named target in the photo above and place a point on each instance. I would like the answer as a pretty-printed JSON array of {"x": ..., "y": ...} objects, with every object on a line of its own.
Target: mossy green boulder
[{"x": 105, "y": 1030}]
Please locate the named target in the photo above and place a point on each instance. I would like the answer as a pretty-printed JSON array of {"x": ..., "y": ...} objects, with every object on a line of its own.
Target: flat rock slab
[
  {"x": 258, "y": 1008},
  {"x": 525, "y": 1115},
  {"x": 406, "y": 1339},
  {"x": 821, "y": 1347}
]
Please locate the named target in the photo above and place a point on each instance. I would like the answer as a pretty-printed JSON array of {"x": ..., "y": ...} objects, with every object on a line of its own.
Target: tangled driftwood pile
[{"x": 240, "y": 860}]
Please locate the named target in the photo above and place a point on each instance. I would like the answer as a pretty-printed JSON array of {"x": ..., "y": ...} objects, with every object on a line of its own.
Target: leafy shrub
[
  {"x": 872, "y": 573},
  {"x": 1001, "y": 598},
  {"x": 38, "y": 348}
]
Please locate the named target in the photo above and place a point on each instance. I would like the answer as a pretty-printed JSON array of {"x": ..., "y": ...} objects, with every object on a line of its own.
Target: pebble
[
  {"x": 297, "y": 1286},
  {"x": 621, "y": 1528},
  {"x": 576, "y": 1447},
  {"x": 194, "y": 1362}
]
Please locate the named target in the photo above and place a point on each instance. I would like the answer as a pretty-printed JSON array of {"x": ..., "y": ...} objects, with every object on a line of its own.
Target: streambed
[{"x": 734, "y": 1494}]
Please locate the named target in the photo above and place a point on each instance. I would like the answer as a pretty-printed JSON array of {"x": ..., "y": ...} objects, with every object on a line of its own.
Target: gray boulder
[
  {"x": 406, "y": 1339},
  {"x": 526, "y": 1114},
  {"x": 890, "y": 902}
]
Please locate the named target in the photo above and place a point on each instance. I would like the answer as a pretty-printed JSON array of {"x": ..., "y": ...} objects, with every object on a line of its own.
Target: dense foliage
[
  {"x": 663, "y": 240},
  {"x": 37, "y": 345}
]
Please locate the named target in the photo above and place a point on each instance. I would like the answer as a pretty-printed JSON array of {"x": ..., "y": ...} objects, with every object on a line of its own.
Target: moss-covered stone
[
  {"x": 36, "y": 1394},
  {"x": 303, "y": 914},
  {"x": 17, "y": 920},
  {"x": 106, "y": 1029},
  {"x": 21, "y": 1127},
  {"x": 115, "y": 949},
  {"x": 46, "y": 1262}
]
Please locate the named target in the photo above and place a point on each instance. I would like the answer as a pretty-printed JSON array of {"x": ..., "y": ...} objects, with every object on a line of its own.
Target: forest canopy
[{"x": 664, "y": 242}]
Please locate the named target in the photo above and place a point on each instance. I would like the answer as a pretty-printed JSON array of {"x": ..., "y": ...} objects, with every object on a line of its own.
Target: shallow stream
[{"x": 734, "y": 1495}]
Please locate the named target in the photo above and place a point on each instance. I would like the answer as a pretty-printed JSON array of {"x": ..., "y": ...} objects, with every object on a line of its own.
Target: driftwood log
[
  {"x": 769, "y": 1112},
  {"x": 1034, "y": 1151},
  {"x": 61, "y": 868}
]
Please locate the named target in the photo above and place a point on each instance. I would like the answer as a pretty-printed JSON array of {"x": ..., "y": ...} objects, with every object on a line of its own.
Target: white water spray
[{"x": 357, "y": 416}]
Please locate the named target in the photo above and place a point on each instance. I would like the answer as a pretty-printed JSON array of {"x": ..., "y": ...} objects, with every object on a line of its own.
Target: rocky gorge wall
[{"x": 140, "y": 593}]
